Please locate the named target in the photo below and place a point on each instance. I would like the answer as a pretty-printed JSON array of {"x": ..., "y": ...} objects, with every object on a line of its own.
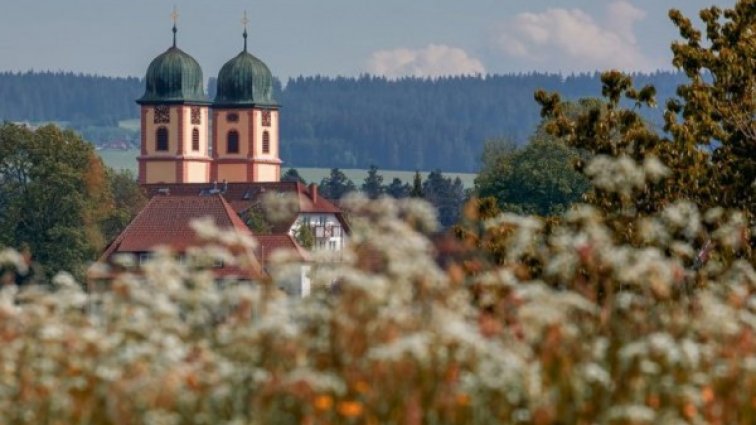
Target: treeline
[
  {"x": 344, "y": 122},
  {"x": 446, "y": 194},
  {"x": 78, "y": 99}
]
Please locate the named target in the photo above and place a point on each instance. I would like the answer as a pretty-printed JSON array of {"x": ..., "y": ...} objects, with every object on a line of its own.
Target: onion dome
[
  {"x": 245, "y": 81},
  {"x": 173, "y": 77}
]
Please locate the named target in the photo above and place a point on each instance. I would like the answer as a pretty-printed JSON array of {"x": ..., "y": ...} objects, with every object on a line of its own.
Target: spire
[
  {"x": 244, "y": 22},
  {"x": 174, "y": 17}
]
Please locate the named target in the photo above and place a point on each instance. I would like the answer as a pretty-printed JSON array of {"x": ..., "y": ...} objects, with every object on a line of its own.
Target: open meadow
[{"x": 126, "y": 160}]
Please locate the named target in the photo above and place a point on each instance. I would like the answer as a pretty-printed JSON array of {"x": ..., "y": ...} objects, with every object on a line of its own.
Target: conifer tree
[
  {"x": 417, "y": 186},
  {"x": 398, "y": 189},
  {"x": 372, "y": 187}
]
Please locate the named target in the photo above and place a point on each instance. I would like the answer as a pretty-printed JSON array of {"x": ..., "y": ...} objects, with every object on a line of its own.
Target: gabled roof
[
  {"x": 273, "y": 243},
  {"x": 165, "y": 220},
  {"x": 242, "y": 196}
]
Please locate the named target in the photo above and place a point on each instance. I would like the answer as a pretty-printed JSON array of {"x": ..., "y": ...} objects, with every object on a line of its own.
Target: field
[
  {"x": 130, "y": 124},
  {"x": 126, "y": 160}
]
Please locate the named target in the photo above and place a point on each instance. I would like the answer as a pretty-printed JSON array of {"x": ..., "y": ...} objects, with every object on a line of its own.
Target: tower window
[
  {"x": 161, "y": 139},
  {"x": 266, "y": 142},
  {"x": 266, "y": 118},
  {"x": 233, "y": 142},
  {"x": 195, "y": 140}
]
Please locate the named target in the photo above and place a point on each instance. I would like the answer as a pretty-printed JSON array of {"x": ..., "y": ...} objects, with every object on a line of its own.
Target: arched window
[
  {"x": 233, "y": 142},
  {"x": 161, "y": 139},
  {"x": 195, "y": 140},
  {"x": 266, "y": 142}
]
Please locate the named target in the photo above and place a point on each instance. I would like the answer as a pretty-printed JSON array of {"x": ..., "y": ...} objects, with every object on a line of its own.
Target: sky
[{"x": 394, "y": 38}]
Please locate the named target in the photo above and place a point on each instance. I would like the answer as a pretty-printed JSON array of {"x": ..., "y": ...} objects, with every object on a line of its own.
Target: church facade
[{"x": 187, "y": 138}]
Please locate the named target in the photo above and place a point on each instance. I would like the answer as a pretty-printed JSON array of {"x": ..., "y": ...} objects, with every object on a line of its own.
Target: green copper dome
[
  {"x": 174, "y": 76},
  {"x": 244, "y": 81}
]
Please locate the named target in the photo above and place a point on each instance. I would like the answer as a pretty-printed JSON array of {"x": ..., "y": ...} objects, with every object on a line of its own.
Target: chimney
[{"x": 314, "y": 192}]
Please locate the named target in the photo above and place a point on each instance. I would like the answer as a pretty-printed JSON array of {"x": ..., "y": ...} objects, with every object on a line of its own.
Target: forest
[{"x": 404, "y": 124}]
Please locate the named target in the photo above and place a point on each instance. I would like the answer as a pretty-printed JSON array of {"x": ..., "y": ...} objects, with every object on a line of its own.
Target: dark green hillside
[
  {"x": 68, "y": 97},
  {"x": 343, "y": 122}
]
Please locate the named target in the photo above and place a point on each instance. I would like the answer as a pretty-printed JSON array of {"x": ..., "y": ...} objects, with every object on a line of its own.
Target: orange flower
[
  {"x": 689, "y": 410},
  {"x": 350, "y": 409},
  {"x": 707, "y": 394},
  {"x": 323, "y": 402},
  {"x": 192, "y": 381},
  {"x": 361, "y": 387},
  {"x": 653, "y": 401},
  {"x": 463, "y": 399}
]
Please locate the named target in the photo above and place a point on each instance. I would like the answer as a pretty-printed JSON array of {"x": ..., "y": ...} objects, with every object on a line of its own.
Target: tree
[
  {"x": 717, "y": 106},
  {"x": 305, "y": 235},
  {"x": 254, "y": 218},
  {"x": 398, "y": 189},
  {"x": 446, "y": 195},
  {"x": 536, "y": 179},
  {"x": 292, "y": 175},
  {"x": 417, "y": 186},
  {"x": 128, "y": 201},
  {"x": 706, "y": 156},
  {"x": 336, "y": 185},
  {"x": 373, "y": 184},
  {"x": 55, "y": 196}
]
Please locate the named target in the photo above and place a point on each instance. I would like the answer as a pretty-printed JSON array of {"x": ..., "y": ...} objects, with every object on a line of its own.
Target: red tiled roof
[
  {"x": 242, "y": 196},
  {"x": 272, "y": 243},
  {"x": 165, "y": 220}
]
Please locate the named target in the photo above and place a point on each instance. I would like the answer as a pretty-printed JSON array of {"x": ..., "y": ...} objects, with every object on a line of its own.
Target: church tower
[
  {"x": 245, "y": 122},
  {"x": 174, "y": 121}
]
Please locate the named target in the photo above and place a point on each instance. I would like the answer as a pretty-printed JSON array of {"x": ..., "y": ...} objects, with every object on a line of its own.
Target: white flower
[
  {"x": 654, "y": 168},
  {"x": 621, "y": 175},
  {"x": 12, "y": 258},
  {"x": 205, "y": 228},
  {"x": 634, "y": 413}
]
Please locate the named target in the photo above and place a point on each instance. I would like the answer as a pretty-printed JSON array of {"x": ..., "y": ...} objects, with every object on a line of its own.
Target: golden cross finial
[
  {"x": 244, "y": 20},
  {"x": 174, "y": 16}
]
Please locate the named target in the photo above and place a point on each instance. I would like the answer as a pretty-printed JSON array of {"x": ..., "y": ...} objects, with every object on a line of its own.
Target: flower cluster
[{"x": 571, "y": 328}]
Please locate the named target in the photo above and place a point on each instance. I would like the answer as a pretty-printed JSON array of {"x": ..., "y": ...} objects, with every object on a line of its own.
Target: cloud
[
  {"x": 435, "y": 60},
  {"x": 572, "y": 40}
]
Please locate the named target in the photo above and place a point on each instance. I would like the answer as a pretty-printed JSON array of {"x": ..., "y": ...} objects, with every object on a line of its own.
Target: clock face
[
  {"x": 232, "y": 117},
  {"x": 266, "y": 118},
  {"x": 162, "y": 114},
  {"x": 196, "y": 115}
]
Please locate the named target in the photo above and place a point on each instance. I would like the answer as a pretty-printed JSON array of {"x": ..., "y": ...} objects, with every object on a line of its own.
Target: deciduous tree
[{"x": 55, "y": 196}]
